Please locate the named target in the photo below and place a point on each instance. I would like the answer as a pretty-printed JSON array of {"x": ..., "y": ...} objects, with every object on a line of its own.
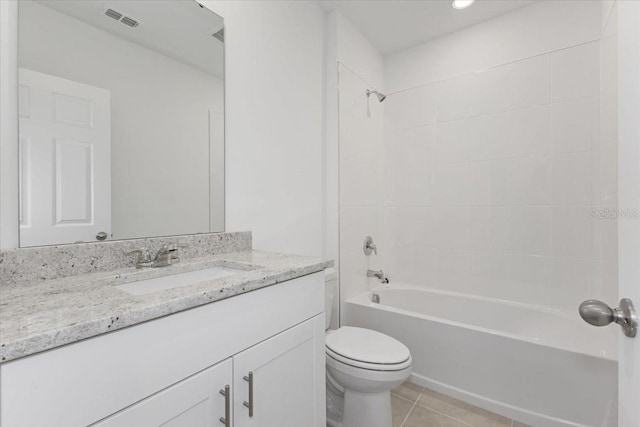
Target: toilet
[{"x": 362, "y": 367}]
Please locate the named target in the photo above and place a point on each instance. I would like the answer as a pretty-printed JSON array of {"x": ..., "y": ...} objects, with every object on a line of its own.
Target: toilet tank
[{"x": 330, "y": 290}]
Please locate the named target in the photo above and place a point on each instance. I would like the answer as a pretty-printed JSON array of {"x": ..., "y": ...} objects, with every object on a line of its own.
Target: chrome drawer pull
[
  {"x": 249, "y": 404},
  {"x": 226, "y": 420}
]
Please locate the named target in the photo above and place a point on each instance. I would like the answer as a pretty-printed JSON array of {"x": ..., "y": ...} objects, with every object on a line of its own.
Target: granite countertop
[{"x": 51, "y": 313}]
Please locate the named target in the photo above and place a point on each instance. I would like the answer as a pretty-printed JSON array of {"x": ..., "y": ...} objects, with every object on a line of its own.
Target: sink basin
[{"x": 156, "y": 284}]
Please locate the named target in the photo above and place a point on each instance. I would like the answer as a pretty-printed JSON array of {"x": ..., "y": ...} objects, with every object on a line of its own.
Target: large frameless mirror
[{"x": 121, "y": 120}]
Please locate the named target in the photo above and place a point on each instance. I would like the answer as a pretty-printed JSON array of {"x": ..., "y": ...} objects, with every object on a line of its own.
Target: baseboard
[{"x": 501, "y": 408}]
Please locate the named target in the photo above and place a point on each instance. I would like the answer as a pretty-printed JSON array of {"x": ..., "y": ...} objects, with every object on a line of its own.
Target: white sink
[{"x": 156, "y": 284}]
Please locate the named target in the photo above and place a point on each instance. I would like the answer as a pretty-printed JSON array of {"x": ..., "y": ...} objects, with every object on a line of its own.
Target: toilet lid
[{"x": 365, "y": 345}]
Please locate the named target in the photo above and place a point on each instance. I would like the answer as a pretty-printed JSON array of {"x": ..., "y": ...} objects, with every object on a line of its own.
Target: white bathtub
[{"x": 541, "y": 367}]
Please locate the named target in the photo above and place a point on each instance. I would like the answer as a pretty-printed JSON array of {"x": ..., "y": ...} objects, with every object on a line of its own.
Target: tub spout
[{"x": 379, "y": 274}]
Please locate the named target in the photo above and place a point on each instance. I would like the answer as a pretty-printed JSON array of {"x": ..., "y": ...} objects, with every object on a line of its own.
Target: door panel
[
  {"x": 288, "y": 379},
  {"x": 193, "y": 402},
  {"x": 629, "y": 203},
  {"x": 65, "y": 160}
]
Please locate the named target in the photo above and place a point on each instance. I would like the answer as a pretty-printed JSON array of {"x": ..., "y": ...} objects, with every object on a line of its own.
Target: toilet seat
[{"x": 367, "y": 349}]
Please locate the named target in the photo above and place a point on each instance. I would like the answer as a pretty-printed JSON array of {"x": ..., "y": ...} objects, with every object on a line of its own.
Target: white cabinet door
[
  {"x": 65, "y": 160},
  {"x": 193, "y": 402},
  {"x": 287, "y": 376}
]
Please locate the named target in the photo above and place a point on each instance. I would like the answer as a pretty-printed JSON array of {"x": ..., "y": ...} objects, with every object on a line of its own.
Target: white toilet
[{"x": 362, "y": 368}]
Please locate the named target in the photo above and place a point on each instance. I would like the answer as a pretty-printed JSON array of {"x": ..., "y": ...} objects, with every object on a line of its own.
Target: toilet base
[{"x": 366, "y": 409}]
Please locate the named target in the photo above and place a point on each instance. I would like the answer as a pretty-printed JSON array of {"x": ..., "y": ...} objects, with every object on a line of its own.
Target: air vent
[
  {"x": 126, "y": 20},
  {"x": 113, "y": 14},
  {"x": 219, "y": 35},
  {"x": 130, "y": 22}
]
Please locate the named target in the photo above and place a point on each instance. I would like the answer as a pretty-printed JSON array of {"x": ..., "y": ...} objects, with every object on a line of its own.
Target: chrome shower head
[{"x": 381, "y": 96}]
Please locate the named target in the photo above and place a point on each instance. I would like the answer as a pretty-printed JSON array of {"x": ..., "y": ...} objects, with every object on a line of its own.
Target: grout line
[
  {"x": 446, "y": 415},
  {"x": 404, "y": 398},
  {"x": 406, "y": 417}
]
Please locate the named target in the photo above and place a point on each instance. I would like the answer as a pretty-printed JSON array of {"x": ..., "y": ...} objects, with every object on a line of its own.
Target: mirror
[{"x": 121, "y": 120}]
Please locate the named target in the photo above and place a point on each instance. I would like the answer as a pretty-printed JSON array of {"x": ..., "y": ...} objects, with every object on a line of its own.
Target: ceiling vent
[
  {"x": 113, "y": 14},
  {"x": 219, "y": 35},
  {"x": 126, "y": 20},
  {"x": 130, "y": 22}
]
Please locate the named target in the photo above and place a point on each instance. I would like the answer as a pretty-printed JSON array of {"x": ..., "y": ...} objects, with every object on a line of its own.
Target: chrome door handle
[
  {"x": 598, "y": 313},
  {"x": 249, "y": 404},
  {"x": 226, "y": 420},
  {"x": 101, "y": 235}
]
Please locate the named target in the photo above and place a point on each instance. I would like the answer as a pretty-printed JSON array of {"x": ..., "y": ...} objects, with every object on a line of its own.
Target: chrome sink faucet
[{"x": 166, "y": 255}]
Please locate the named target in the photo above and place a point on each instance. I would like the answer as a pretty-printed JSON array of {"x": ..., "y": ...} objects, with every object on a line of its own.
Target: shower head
[{"x": 381, "y": 96}]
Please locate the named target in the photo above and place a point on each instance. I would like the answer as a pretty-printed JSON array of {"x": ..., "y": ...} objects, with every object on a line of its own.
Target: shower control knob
[{"x": 598, "y": 313}]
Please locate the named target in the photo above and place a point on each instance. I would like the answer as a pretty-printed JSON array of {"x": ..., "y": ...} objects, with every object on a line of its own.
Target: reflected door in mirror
[{"x": 65, "y": 137}]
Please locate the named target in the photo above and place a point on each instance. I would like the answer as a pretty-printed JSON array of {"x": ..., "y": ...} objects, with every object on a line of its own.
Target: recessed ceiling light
[{"x": 461, "y": 4}]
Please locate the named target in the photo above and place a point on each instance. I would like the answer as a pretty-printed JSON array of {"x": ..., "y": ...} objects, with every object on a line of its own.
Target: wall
[
  {"x": 496, "y": 160},
  {"x": 9, "y": 215},
  {"x": 274, "y": 122},
  {"x": 160, "y": 120}
]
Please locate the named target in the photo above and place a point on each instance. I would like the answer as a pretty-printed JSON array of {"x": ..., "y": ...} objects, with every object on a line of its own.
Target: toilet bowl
[{"x": 362, "y": 367}]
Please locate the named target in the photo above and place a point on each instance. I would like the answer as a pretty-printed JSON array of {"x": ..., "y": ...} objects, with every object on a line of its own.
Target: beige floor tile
[
  {"x": 423, "y": 417},
  {"x": 399, "y": 409},
  {"x": 517, "y": 424},
  {"x": 461, "y": 411},
  {"x": 408, "y": 390}
]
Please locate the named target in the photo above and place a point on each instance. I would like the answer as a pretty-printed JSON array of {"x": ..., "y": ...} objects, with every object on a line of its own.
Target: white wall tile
[
  {"x": 575, "y": 72},
  {"x": 573, "y": 232},
  {"x": 453, "y": 139},
  {"x": 572, "y": 181},
  {"x": 455, "y": 100},
  {"x": 530, "y": 230},
  {"x": 529, "y": 82},
  {"x": 576, "y": 125},
  {"x": 448, "y": 228},
  {"x": 449, "y": 185}
]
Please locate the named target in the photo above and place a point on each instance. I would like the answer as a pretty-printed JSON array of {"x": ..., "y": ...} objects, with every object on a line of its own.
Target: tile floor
[{"x": 414, "y": 406}]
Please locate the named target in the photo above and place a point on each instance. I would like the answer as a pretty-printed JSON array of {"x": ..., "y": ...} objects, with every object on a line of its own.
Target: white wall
[
  {"x": 160, "y": 121},
  {"x": 9, "y": 215},
  {"x": 496, "y": 160},
  {"x": 274, "y": 122}
]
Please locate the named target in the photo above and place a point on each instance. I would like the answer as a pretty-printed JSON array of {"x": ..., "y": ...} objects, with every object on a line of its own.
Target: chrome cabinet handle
[
  {"x": 249, "y": 404},
  {"x": 101, "y": 235},
  {"x": 226, "y": 420},
  {"x": 598, "y": 313}
]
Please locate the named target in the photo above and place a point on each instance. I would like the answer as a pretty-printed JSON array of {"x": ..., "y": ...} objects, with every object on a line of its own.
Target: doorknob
[
  {"x": 101, "y": 235},
  {"x": 598, "y": 313}
]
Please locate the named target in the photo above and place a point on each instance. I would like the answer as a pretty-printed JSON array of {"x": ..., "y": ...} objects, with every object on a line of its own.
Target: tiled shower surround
[
  {"x": 489, "y": 178},
  {"x": 496, "y": 179}
]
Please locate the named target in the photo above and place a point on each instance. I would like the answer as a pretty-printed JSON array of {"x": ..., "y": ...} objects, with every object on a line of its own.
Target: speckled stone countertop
[{"x": 52, "y": 313}]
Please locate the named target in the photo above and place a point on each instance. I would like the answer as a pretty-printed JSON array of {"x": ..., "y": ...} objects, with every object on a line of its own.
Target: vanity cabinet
[{"x": 170, "y": 371}]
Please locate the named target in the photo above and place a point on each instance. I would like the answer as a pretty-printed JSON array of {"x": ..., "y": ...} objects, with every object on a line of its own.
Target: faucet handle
[
  {"x": 173, "y": 249},
  {"x": 369, "y": 246},
  {"x": 143, "y": 255}
]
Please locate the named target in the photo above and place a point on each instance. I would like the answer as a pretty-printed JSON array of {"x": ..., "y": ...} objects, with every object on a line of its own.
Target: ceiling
[
  {"x": 392, "y": 26},
  {"x": 180, "y": 30}
]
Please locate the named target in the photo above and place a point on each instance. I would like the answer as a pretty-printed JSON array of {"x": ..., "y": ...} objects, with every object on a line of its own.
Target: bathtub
[{"x": 535, "y": 365}]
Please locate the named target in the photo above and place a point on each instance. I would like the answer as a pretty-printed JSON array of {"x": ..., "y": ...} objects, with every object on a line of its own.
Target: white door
[
  {"x": 280, "y": 382},
  {"x": 65, "y": 160},
  {"x": 629, "y": 203},
  {"x": 194, "y": 402}
]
